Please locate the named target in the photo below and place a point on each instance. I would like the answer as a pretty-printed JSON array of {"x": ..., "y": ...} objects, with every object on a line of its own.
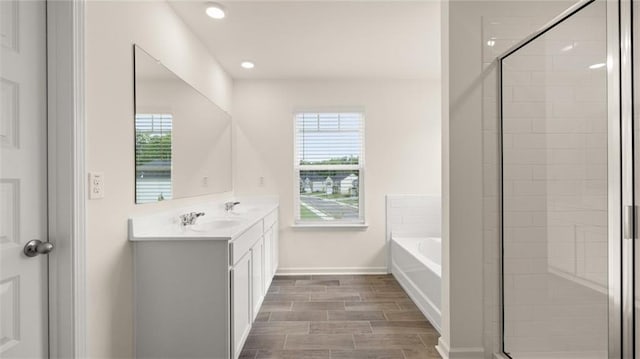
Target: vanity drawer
[
  {"x": 270, "y": 219},
  {"x": 241, "y": 245}
]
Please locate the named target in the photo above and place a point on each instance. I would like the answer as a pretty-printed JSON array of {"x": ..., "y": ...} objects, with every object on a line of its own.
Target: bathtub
[{"x": 416, "y": 265}]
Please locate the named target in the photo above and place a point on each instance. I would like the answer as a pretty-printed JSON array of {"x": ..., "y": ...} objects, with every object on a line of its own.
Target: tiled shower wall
[
  {"x": 414, "y": 215},
  {"x": 555, "y": 185}
]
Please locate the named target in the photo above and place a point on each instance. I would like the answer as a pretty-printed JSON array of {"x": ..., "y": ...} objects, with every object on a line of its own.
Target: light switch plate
[{"x": 96, "y": 185}]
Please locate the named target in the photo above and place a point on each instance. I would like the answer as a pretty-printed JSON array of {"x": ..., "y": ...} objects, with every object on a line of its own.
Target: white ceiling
[{"x": 322, "y": 39}]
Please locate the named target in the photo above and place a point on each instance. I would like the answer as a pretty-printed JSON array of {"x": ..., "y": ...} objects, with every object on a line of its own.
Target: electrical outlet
[
  {"x": 261, "y": 181},
  {"x": 96, "y": 185}
]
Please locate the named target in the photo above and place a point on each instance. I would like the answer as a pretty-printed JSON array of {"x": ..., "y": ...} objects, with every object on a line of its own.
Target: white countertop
[{"x": 216, "y": 224}]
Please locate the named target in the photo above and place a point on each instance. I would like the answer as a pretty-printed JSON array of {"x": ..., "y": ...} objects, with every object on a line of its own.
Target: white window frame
[{"x": 361, "y": 221}]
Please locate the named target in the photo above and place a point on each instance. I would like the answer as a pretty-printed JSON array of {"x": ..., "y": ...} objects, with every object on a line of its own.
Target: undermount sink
[{"x": 214, "y": 224}]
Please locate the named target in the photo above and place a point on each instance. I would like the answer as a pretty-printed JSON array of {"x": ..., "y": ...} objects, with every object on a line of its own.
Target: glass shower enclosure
[{"x": 567, "y": 187}]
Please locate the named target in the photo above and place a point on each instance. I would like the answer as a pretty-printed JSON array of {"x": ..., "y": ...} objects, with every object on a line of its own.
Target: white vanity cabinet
[
  {"x": 275, "y": 257},
  {"x": 270, "y": 259},
  {"x": 241, "y": 303},
  {"x": 257, "y": 276},
  {"x": 197, "y": 296}
]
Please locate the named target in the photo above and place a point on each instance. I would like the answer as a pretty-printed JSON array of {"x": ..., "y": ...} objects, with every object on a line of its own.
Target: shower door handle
[{"x": 629, "y": 222}]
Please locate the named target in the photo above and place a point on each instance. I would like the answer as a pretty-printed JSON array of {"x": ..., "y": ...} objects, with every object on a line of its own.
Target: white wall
[
  {"x": 402, "y": 139},
  {"x": 462, "y": 229},
  {"x": 112, "y": 28}
]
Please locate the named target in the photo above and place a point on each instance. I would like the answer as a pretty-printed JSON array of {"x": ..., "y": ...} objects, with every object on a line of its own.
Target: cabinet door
[
  {"x": 240, "y": 303},
  {"x": 268, "y": 258},
  {"x": 257, "y": 278},
  {"x": 275, "y": 248}
]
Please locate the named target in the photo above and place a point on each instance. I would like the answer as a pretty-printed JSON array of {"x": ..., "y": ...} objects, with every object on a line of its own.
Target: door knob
[{"x": 36, "y": 246}]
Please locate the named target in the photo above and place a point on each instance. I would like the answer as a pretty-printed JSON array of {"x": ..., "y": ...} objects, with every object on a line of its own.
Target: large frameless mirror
[{"x": 182, "y": 138}]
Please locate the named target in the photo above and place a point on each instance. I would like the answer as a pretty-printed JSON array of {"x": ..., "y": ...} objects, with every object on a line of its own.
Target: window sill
[{"x": 330, "y": 226}]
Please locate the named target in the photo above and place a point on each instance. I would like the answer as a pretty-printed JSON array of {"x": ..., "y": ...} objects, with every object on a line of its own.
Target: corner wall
[
  {"x": 112, "y": 28},
  {"x": 402, "y": 149}
]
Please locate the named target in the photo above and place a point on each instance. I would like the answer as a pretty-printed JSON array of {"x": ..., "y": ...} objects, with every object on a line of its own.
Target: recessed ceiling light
[
  {"x": 597, "y": 66},
  {"x": 247, "y": 64},
  {"x": 215, "y": 10}
]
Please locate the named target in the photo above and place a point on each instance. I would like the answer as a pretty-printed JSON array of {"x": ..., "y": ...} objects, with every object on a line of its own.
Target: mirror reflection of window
[{"x": 153, "y": 157}]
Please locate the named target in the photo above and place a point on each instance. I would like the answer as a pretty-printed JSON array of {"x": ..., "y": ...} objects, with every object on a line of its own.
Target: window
[
  {"x": 153, "y": 157},
  {"x": 329, "y": 168}
]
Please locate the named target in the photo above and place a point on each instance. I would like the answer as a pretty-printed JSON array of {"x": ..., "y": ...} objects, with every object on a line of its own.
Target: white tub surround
[
  {"x": 412, "y": 214},
  {"x": 416, "y": 265},
  {"x": 198, "y": 288},
  {"x": 414, "y": 226}
]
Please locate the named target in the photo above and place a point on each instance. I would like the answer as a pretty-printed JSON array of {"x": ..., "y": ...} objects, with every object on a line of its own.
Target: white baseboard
[
  {"x": 443, "y": 348},
  {"x": 458, "y": 353},
  {"x": 331, "y": 270}
]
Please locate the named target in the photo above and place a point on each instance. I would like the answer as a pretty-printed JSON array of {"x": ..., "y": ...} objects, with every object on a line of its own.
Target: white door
[{"x": 23, "y": 179}]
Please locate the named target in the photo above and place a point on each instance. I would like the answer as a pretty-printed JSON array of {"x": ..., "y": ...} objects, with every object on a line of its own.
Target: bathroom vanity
[{"x": 198, "y": 288}]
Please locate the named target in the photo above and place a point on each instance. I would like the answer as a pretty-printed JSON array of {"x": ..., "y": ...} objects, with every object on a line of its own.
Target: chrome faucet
[
  {"x": 229, "y": 206},
  {"x": 190, "y": 218}
]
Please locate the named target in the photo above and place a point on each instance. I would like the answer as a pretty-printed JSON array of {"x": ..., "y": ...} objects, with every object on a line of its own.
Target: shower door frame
[{"x": 621, "y": 342}]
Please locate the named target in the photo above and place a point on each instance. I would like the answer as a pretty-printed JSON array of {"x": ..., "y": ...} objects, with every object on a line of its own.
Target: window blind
[
  {"x": 329, "y": 138},
  {"x": 153, "y": 157},
  {"x": 329, "y": 163}
]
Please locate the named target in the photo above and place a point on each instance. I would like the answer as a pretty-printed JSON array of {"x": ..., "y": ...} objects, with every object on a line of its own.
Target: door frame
[
  {"x": 628, "y": 232},
  {"x": 67, "y": 181}
]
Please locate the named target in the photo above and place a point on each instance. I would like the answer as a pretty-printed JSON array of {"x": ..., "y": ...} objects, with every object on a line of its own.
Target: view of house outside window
[
  {"x": 153, "y": 157},
  {"x": 329, "y": 167}
]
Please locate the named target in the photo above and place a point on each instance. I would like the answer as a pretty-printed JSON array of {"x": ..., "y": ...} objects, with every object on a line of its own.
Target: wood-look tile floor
[{"x": 350, "y": 317}]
